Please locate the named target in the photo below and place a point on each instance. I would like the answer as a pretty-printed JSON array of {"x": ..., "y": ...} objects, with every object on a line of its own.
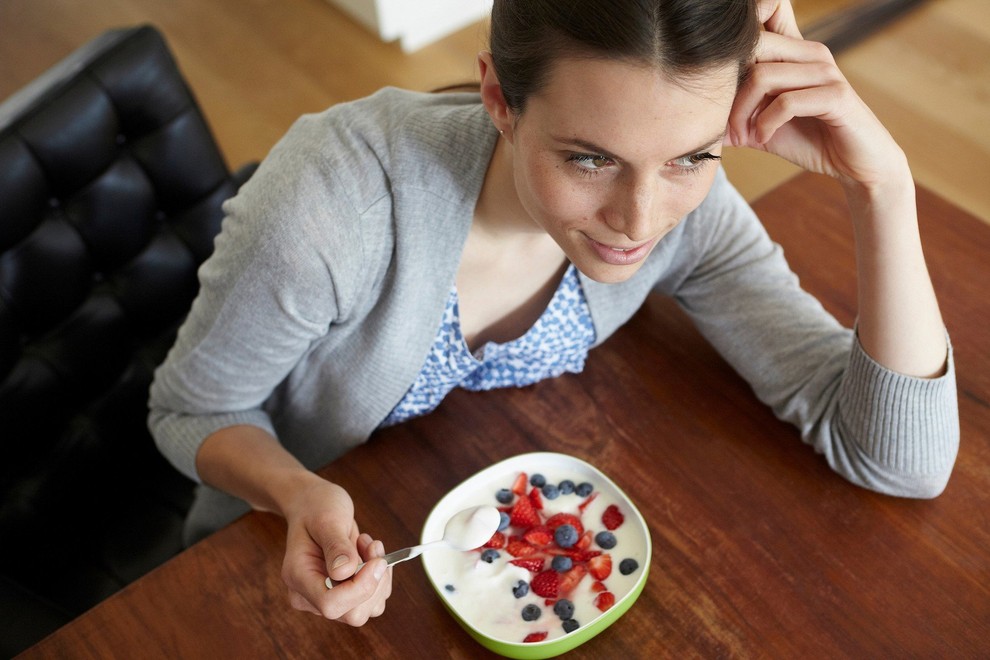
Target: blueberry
[
  {"x": 521, "y": 589},
  {"x": 450, "y": 588},
  {"x": 561, "y": 563},
  {"x": 566, "y": 487},
  {"x": 564, "y": 608},
  {"x": 584, "y": 489},
  {"x": 627, "y": 566},
  {"x": 565, "y": 536},
  {"x": 504, "y": 495},
  {"x": 550, "y": 491},
  {"x": 571, "y": 625},
  {"x": 503, "y": 520},
  {"x": 531, "y": 612},
  {"x": 537, "y": 480},
  {"x": 605, "y": 540},
  {"x": 489, "y": 555}
]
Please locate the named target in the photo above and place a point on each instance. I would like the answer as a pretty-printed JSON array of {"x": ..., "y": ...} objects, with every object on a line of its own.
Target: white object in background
[{"x": 415, "y": 23}]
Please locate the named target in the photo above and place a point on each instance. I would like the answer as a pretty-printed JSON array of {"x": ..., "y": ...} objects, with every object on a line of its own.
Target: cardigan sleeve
[
  {"x": 269, "y": 291},
  {"x": 882, "y": 430}
]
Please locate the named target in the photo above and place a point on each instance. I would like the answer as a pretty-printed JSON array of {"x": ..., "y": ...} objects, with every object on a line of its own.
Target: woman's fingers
[
  {"x": 813, "y": 102},
  {"x": 350, "y": 601},
  {"x": 374, "y": 604},
  {"x": 782, "y": 64},
  {"x": 778, "y": 16},
  {"x": 774, "y": 47},
  {"x": 767, "y": 84}
]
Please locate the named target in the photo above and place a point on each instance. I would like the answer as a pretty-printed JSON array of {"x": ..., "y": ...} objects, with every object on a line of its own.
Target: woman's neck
[
  {"x": 510, "y": 267},
  {"x": 498, "y": 212}
]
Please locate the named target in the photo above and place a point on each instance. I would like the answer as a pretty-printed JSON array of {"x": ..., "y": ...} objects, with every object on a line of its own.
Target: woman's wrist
[{"x": 891, "y": 187}]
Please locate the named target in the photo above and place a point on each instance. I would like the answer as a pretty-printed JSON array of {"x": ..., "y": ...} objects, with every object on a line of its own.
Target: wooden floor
[{"x": 256, "y": 65}]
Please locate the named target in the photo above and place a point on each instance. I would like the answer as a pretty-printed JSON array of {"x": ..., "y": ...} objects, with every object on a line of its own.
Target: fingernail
[
  {"x": 380, "y": 570},
  {"x": 339, "y": 561}
]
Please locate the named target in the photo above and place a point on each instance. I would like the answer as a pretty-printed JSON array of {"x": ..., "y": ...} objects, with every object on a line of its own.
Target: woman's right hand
[{"x": 323, "y": 539}]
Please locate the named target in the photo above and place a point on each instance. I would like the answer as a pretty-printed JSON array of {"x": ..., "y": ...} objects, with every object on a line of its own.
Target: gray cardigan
[{"x": 329, "y": 279}]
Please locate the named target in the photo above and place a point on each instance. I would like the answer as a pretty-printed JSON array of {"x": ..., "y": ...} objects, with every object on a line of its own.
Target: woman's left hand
[{"x": 798, "y": 105}]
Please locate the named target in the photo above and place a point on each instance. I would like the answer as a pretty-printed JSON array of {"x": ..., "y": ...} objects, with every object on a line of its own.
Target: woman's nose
[{"x": 634, "y": 211}]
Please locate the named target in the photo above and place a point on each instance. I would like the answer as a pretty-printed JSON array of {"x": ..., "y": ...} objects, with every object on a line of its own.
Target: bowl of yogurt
[{"x": 570, "y": 557}]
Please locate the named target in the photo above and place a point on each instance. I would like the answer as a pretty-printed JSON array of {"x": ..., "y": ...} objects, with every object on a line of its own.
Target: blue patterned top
[{"x": 558, "y": 342}]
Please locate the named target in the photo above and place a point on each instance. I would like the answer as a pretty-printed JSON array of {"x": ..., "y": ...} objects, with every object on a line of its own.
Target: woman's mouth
[{"x": 621, "y": 255}]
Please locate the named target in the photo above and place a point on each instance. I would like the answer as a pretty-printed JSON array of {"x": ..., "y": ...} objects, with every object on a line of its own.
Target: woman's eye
[
  {"x": 695, "y": 161},
  {"x": 590, "y": 162}
]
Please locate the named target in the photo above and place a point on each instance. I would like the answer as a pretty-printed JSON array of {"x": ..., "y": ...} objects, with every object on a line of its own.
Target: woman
[{"x": 390, "y": 249}]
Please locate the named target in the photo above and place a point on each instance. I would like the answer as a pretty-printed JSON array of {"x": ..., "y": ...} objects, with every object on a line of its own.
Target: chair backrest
[{"x": 110, "y": 192}]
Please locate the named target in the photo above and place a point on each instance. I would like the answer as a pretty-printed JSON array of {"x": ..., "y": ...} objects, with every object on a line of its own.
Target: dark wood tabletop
[{"x": 758, "y": 548}]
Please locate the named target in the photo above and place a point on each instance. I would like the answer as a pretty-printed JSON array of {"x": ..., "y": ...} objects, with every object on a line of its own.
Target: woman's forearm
[
  {"x": 246, "y": 461},
  {"x": 899, "y": 323}
]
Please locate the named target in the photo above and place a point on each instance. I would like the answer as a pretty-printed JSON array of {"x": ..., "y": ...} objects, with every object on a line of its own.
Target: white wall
[{"x": 415, "y": 23}]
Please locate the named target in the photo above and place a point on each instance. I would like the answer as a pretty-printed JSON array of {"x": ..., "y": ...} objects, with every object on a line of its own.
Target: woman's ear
[{"x": 491, "y": 95}]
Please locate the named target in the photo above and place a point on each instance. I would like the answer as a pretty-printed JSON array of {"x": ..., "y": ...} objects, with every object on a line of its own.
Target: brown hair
[{"x": 684, "y": 38}]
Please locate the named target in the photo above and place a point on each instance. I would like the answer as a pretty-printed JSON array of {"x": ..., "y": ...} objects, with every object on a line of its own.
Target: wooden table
[{"x": 759, "y": 549}]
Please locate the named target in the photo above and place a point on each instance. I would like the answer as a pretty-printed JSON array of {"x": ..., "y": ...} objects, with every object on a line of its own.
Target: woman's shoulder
[
  {"x": 395, "y": 123},
  {"x": 394, "y": 138}
]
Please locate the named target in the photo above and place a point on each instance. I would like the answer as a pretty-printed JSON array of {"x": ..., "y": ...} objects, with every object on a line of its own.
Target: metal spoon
[{"x": 465, "y": 530}]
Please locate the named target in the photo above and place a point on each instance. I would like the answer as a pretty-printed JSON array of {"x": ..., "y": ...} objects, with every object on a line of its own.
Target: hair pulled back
[{"x": 683, "y": 38}]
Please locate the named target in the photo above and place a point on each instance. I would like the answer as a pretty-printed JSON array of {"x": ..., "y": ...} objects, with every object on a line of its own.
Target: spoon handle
[{"x": 396, "y": 557}]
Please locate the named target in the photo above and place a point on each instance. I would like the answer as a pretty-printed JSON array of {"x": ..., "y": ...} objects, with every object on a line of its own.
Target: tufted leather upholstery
[{"x": 110, "y": 193}]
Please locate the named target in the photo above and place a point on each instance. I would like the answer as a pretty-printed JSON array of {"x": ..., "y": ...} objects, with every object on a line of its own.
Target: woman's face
[{"x": 610, "y": 156}]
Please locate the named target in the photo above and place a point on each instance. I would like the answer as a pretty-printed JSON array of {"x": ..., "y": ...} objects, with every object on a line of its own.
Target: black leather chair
[{"x": 110, "y": 192}]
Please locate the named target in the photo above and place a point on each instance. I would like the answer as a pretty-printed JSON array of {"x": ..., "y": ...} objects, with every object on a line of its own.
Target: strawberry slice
[
  {"x": 531, "y": 564},
  {"x": 600, "y": 567},
  {"x": 558, "y": 519},
  {"x": 582, "y": 555},
  {"x": 539, "y": 535},
  {"x": 536, "y": 498},
  {"x": 546, "y": 584},
  {"x": 519, "y": 487},
  {"x": 496, "y": 541},
  {"x": 519, "y": 548},
  {"x": 523, "y": 514},
  {"x": 604, "y": 600},
  {"x": 570, "y": 579},
  {"x": 598, "y": 587},
  {"x": 612, "y": 518},
  {"x": 535, "y": 637},
  {"x": 587, "y": 501},
  {"x": 584, "y": 542}
]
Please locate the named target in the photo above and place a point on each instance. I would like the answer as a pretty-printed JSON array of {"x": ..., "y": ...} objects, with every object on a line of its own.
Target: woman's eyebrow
[
  {"x": 717, "y": 140},
  {"x": 587, "y": 146},
  {"x": 599, "y": 151}
]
